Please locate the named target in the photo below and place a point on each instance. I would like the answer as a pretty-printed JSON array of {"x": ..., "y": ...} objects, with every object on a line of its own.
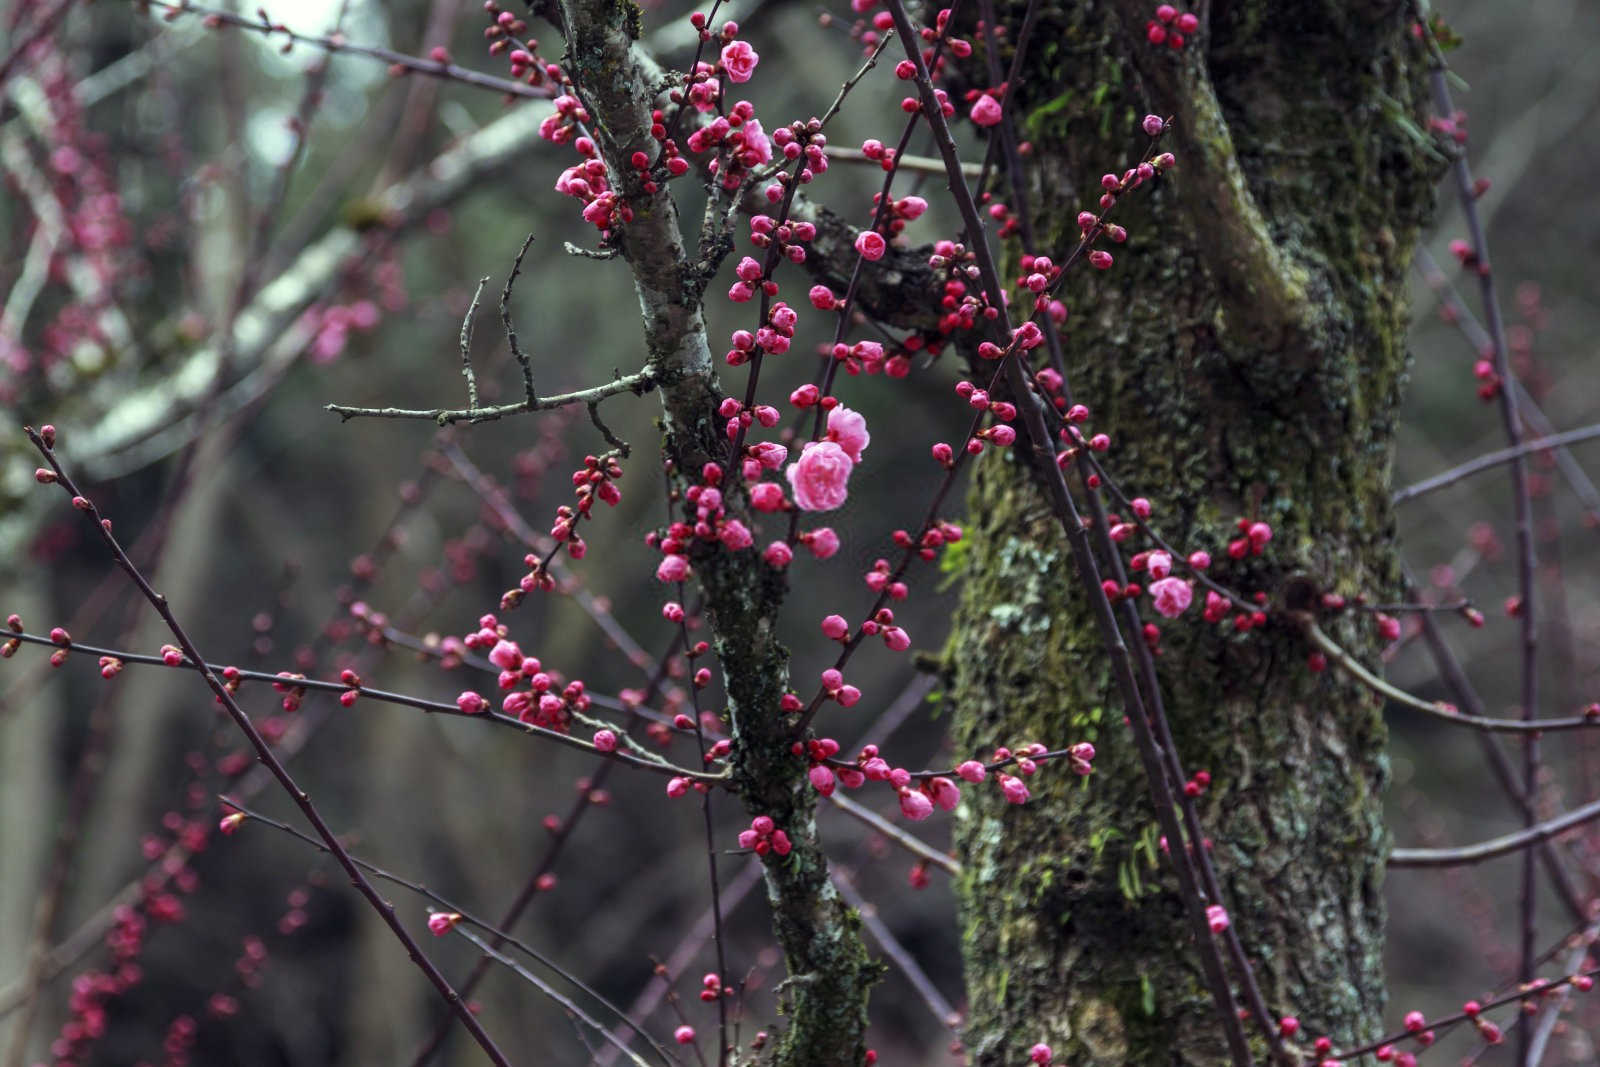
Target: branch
[
  {"x": 383, "y": 696},
  {"x": 269, "y": 759},
  {"x": 501, "y": 936},
  {"x": 1498, "y": 846},
  {"x": 1494, "y": 459},
  {"x": 1436, "y": 709},
  {"x": 638, "y": 383}
]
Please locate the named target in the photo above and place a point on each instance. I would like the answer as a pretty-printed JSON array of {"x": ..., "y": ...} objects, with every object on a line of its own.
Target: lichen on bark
[{"x": 1246, "y": 355}]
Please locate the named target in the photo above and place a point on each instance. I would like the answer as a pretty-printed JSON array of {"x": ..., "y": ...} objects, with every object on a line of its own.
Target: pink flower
[
  {"x": 605, "y": 740},
  {"x": 1041, "y": 1054},
  {"x": 684, "y": 1035},
  {"x": 735, "y": 535},
  {"x": 1217, "y": 918},
  {"x": 972, "y": 771},
  {"x": 471, "y": 703},
  {"x": 673, "y": 569},
  {"x": 915, "y": 805},
  {"x": 739, "y": 61},
  {"x": 770, "y": 455},
  {"x": 1015, "y": 791},
  {"x": 945, "y": 793},
  {"x": 766, "y": 496},
  {"x": 778, "y": 555},
  {"x": 822, "y": 541},
  {"x": 871, "y": 245},
  {"x": 442, "y": 922},
  {"x": 230, "y": 822},
  {"x": 986, "y": 111},
  {"x": 821, "y": 779},
  {"x": 820, "y": 478},
  {"x": 1172, "y": 596},
  {"x": 1159, "y": 565},
  {"x": 506, "y": 655},
  {"x": 848, "y": 429},
  {"x": 835, "y": 627}
]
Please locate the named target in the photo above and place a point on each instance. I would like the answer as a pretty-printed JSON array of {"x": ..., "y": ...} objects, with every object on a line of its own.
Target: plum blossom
[
  {"x": 871, "y": 245},
  {"x": 848, "y": 429},
  {"x": 822, "y": 542},
  {"x": 442, "y": 922},
  {"x": 1172, "y": 596},
  {"x": 986, "y": 111},
  {"x": 820, "y": 478},
  {"x": 915, "y": 805},
  {"x": 739, "y": 60}
]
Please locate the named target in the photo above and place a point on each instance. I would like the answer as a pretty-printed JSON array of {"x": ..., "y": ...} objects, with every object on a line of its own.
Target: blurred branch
[
  {"x": 927, "y": 992},
  {"x": 1494, "y": 847},
  {"x": 1494, "y": 459}
]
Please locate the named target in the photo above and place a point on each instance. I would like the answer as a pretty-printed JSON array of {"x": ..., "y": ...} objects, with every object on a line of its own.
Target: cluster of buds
[
  {"x": 763, "y": 837},
  {"x": 772, "y": 338},
  {"x": 1170, "y": 28},
  {"x": 789, "y": 237},
  {"x": 1256, "y": 535},
  {"x": 292, "y": 694}
]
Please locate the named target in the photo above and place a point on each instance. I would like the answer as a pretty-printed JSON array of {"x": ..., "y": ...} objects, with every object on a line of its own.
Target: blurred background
[{"x": 164, "y": 179}]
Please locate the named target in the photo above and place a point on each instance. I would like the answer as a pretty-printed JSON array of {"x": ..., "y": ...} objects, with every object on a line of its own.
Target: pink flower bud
[
  {"x": 986, "y": 111},
  {"x": 915, "y": 805},
  {"x": 442, "y": 922},
  {"x": 871, "y": 245}
]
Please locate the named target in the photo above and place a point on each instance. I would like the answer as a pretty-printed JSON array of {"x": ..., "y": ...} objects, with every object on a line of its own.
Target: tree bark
[{"x": 1246, "y": 354}]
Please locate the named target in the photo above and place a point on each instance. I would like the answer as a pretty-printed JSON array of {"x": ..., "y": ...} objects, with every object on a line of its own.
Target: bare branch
[{"x": 638, "y": 383}]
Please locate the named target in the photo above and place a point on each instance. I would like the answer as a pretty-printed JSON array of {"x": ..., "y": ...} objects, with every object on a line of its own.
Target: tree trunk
[{"x": 1246, "y": 354}]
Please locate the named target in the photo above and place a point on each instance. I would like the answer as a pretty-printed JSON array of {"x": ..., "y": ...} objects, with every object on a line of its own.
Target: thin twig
[
  {"x": 383, "y": 696},
  {"x": 638, "y": 383},
  {"x": 466, "y": 347},
  {"x": 544, "y": 987},
  {"x": 1437, "y": 709},
  {"x": 447, "y": 905},
  {"x": 337, "y": 45},
  {"x": 1494, "y": 847},
  {"x": 1494, "y": 459},
  {"x": 528, "y": 391}
]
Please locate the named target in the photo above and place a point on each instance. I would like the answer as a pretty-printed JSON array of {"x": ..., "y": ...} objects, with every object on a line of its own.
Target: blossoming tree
[{"x": 1166, "y": 315}]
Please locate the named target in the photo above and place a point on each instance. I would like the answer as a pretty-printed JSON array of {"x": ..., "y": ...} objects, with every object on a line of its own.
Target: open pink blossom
[
  {"x": 848, "y": 429},
  {"x": 739, "y": 60},
  {"x": 1172, "y": 596},
  {"x": 820, "y": 478}
]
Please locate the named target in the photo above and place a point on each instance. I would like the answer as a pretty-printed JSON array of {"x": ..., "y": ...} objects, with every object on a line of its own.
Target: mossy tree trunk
[{"x": 1246, "y": 354}]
